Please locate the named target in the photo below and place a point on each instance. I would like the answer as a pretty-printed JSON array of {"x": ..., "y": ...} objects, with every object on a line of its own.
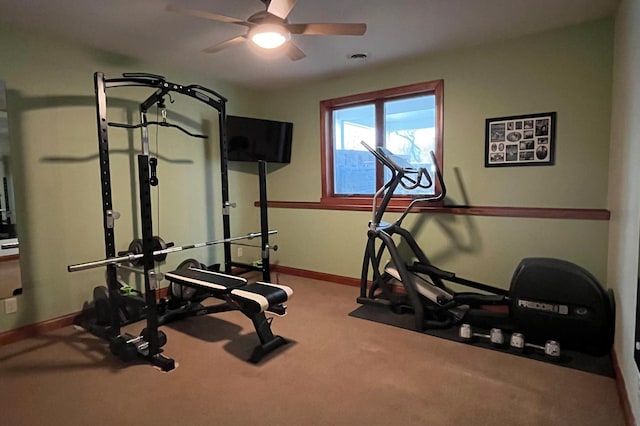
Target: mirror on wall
[{"x": 10, "y": 278}]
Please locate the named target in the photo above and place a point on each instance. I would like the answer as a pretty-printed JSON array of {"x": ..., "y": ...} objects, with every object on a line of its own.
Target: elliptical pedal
[{"x": 430, "y": 291}]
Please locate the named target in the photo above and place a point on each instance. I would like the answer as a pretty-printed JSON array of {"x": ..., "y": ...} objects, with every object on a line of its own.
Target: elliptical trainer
[{"x": 547, "y": 299}]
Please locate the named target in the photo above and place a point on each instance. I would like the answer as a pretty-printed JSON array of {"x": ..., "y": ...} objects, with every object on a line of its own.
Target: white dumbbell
[
  {"x": 551, "y": 348},
  {"x": 495, "y": 336}
]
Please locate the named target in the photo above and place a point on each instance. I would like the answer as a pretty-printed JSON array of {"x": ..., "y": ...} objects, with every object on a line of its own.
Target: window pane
[
  {"x": 353, "y": 165},
  {"x": 410, "y": 132}
]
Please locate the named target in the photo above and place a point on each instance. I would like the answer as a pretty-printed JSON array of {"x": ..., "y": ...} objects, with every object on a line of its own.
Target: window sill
[{"x": 529, "y": 212}]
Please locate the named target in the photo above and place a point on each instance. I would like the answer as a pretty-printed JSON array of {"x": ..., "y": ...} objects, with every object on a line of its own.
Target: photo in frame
[{"x": 520, "y": 140}]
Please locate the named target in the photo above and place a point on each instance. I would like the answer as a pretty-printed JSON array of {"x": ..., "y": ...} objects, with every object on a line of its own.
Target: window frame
[{"x": 378, "y": 98}]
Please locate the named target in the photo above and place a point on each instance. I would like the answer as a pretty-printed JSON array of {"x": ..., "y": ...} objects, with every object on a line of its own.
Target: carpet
[{"x": 600, "y": 365}]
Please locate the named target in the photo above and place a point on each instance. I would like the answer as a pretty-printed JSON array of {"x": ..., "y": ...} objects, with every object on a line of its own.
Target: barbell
[{"x": 133, "y": 257}]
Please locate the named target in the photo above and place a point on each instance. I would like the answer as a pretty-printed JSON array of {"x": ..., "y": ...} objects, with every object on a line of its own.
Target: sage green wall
[
  {"x": 52, "y": 120},
  {"x": 568, "y": 71},
  {"x": 624, "y": 192}
]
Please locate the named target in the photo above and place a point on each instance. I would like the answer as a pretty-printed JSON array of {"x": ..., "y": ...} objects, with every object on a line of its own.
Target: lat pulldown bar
[{"x": 132, "y": 257}]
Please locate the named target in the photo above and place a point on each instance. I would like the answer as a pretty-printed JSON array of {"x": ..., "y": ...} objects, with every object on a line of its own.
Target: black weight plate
[
  {"x": 181, "y": 292},
  {"x": 135, "y": 247},
  {"x": 162, "y": 337},
  {"x": 159, "y": 244}
]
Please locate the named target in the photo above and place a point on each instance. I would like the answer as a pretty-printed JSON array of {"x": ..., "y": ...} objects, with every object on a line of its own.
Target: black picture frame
[{"x": 520, "y": 140}]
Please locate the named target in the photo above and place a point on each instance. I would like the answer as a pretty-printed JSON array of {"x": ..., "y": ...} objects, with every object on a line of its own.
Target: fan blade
[
  {"x": 293, "y": 52},
  {"x": 172, "y": 7},
  {"x": 225, "y": 44},
  {"x": 281, "y": 8},
  {"x": 327, "y": 29}
]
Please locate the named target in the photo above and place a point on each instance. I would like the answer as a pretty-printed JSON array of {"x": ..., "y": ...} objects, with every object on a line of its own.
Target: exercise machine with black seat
[
  {"x": 118, "y": 305},
  {"x": 549, "y": 300}
]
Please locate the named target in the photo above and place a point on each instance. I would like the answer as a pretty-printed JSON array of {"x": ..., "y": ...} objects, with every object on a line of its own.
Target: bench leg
[{"x": 268, "y": 341}]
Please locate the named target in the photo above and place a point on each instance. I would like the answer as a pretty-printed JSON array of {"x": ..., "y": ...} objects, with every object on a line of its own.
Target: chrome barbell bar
[{"x": 132, "y": 257}]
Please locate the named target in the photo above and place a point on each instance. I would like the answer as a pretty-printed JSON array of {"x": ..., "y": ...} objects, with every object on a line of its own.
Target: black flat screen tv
[{"x": 254, "y": 139}]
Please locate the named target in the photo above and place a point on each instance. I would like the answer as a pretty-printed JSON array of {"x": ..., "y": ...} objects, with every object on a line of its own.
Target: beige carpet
[{"x": 340, "y": 371}]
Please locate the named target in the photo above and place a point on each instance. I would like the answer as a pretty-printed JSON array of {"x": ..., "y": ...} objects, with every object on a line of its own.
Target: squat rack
[{"x": 146, "y": 177}]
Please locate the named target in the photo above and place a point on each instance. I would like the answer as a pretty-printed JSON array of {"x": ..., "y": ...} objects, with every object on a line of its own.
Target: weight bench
[{"x": 253, "y": 300}]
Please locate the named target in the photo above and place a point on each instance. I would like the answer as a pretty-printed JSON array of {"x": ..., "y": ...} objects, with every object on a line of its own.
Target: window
[{"x": 406, "y": 120}]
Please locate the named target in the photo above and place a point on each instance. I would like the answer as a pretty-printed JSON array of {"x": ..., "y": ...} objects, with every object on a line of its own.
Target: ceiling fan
[{"x": 270, "y": 28}]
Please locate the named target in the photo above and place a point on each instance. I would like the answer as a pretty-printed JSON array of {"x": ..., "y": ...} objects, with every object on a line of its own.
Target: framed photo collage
[{"x": 523, "y": 140}]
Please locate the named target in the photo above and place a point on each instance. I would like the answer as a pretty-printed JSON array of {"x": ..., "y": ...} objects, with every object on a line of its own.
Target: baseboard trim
[
  {"x": 32, "y": 330},
  {"x": 629, "y": 419},
  {"x": 321, "y": 276}
]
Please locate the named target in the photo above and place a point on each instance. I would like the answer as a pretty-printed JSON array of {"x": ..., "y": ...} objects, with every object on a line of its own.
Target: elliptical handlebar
[
  {"x": 406, "y": 171},
  {"x": 431, "y": 198},
  {"x": 409, "y": 177},
  {"x": 385, "y": 160},
  {"x": 443, "y": 187},
  {"x": 417, "y": 183}
]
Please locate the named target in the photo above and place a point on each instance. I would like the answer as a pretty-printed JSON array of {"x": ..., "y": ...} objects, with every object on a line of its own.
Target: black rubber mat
[{"x": 577, "y": 360}]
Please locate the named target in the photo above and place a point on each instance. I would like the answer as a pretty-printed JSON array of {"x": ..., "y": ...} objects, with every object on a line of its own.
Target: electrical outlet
[
  {"x": 11, "y": 305},
  {"x": 239, "y": 251}
]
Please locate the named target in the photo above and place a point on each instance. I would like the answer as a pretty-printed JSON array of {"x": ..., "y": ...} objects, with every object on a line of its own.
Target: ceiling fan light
[{"x": 269, "y": 36}]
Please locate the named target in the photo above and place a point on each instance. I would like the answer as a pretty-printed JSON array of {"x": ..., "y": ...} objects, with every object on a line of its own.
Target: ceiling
[{"x": 396, "y": 29}]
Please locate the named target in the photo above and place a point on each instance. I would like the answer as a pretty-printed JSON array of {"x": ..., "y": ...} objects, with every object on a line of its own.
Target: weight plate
[
  {"x": 135, "y": 247},
  {"x": 181, "y": 292},
  {"x": 159, "y": 244},
  {"x": 162, "y": 337}
]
